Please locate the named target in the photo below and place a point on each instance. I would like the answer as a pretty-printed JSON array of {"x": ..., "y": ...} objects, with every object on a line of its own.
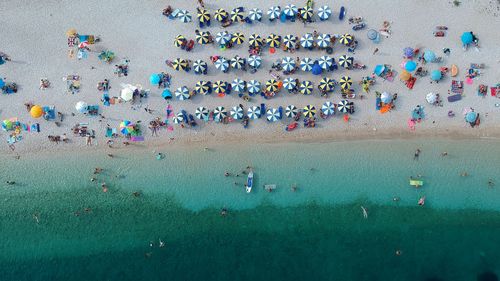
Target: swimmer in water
[
  {"x": 223, "y": 212},
  {"x": 10, "y": 182},
  {"x": 417, "y": 153},
  {"x": 162, "y": 244},
  {"x": 464, "y": 174},
  {"x": 491, "y": 183},
  {"x": 399, "y": 252},
  {"x": 421, "y": 201},
  {"x": 93, "y": 179},
  {"x": 104, "y": 187},
  {"x": 395, "y": 199},
  {"x": 226, "y": 174}
]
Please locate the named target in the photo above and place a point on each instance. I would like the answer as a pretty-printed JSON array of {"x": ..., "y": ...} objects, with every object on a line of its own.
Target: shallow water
[{"x": 316, "y": 233}]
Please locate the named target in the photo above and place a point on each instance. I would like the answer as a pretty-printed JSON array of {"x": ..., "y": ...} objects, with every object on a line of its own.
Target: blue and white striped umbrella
[
  {"x": 255, "y": 14},
  {"x": 179, "y": 118},
  {"x": 306, "y": 64},
  {"x": 202, "y": 113},
  {"x": 289, "y": 83},
  {"x": 325, "y": 62},
  {"x": 238, "y": 62},
  {"x": 254, "y": 112},
  {"x": 288, "y": 64},
  {"x": 307, "y": 40},
  {"x": 222, "y": 64},
  {"x": 343, "y": 106},
  {"x": 220, "y": 113},
  {"x": 328, "y": 108},
  {"x": 222, "y": 37},
  {"x": 274, "y": 12},
  {"x": 199, "y": 66},
  {"x": 290, "y": 41},
  {"x": 182, "y": 93},
  {"x": 254, "y": 87},
  {"x": 291, "y": 111},
  {"x": 324, "y": 12},
  {"x": 236, "y": 112},
  {"x": 238, "y": 85},
  {"x": 290, "y": 10},
  {"x": 184, "y": 16},
  {"x": 254, "y": 61},
  {"x": 323, "y": 40},
  {"x": 273, "y": 115}
]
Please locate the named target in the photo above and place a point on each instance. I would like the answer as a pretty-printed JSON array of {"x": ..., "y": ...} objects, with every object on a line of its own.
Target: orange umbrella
[{"x": 405, "y": 75}]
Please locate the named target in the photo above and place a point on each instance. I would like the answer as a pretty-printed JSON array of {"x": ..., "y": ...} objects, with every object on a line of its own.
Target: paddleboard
[
  {"x": 416, "y": 183},
  {"x": 342, "y": 13},
  {"x": 454, "y": 70}
]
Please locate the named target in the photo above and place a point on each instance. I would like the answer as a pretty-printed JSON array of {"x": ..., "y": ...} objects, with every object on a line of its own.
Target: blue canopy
[
  {"x": 467, "y": 37},
  {"x": 471, "y": 117},
  {"x": 154, "y": 79},
  {"x": 436, "y": 75},
  {"x": 429, "y": 56},
  {"x": 166, "y": 94},
  {"x": 379, "y": 69},
  {"x": 410, "y": 65},
  {"x": 2, "y": 83},
  {"x": 316, "y": 70}
]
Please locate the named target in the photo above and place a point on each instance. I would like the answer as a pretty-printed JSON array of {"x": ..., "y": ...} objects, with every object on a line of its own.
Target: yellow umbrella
[
  {"x": 36, "y": 111},
  {"x": 404, "y": 75},
  {"x": 71, "y": 32},
  {"x": 238, "y": 38},
  {"x": 272, "y": 85},
  {"x": 179, "y": 40},
  {"x": 179, "y": 64},
  {"x": 273, "y": 40}
]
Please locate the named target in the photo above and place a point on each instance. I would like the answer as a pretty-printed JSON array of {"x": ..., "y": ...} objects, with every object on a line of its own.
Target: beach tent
[
  {"x": 290, "y": 41},
  {"x": 288, "y": 64},
  {"x": 307, "y": 40},
  {"x": 326, "y": 84},
  {"x": 291, "y": 111},
  {"x": 237, "y": 14},
  {"x": 238, "y": 38},
  {"x": 236, "y": 112},
  {"x": 220, "y": 15},
  {"x": 346, "y": 39},
  {"x": 306, "y": 64},
  {"x": 289, "y": 83},
  {"x": 254, "y": 112},
  {"x": 324, "y": 12},
  {"x": 328, "y": 108},
  {"x": 467, "y": 38},
  {"x": 272, "y": 85},
  {"x": 345, "y": 82},
  {"x": 222, "y": 37},
  {"x": 238, "y": 85},
  {"x": 222, "y": 64},
  {"x": 273, "y": 115},
  {"x": 220, "y": 113},
  {"x": 343, "y": 106},
  {"x": 290, "y": 10},
  {"x": 346, "y": 61},
  {"x": 253, "y": 87},
  {"x": 81, "y": 106},
  {"x": 182, "y": 93},
  {"x": 36, "y": 111},
  {"x": 155, "y": 78},
  {"x": 255, "y": 40},
  {"x": 184, "y": 16},
  {"x": 200, "y": 66},
  {"x": 325, "y": 62},
  {"x": 203, "y": 87},
  {"x": 429, "y": 56},
  {"x": 255, "y": 14},
  {"x": 179, "y": 40},
  {"x": 385, "y": 97},
  {"x": 220, "y": 87},
  {"x": 179, "y": 64},
  {"x": 404, "y": 75},
  {"x": 273, "y": 40},
  {"x": 203, "y": 15},
  {"x": 306, "y": 87},
  {"x": 238, "y": 62},
  {"x": 274, "y": 12},
  {"x": 307, "y": 13},
  {"x": 254, "y": 61},
  {"x": 309, "y": 111},
  {"x": 408, "y": 52},
  {"x": 436, "y": 75},
  {"x": 410, "y": 65},
  {"x": 323, "y": 40},
  {"x": 203, "y": 37},
  {"x": 431, "y": 98},
  {"x": 316, "y": 69},
  {"x": 201, "y": 113}
]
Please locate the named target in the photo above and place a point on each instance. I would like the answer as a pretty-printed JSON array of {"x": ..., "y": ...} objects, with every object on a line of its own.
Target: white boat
[{"x": 249, "y": 184}]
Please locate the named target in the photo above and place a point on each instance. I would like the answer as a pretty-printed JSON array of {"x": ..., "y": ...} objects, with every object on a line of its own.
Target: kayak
[
  {"x": 249, "y": 184},
  {"x": 342, "y": 13}
]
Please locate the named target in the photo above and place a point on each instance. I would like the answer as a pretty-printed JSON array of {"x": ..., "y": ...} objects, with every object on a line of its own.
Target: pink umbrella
[{"x": 83, "y": 44}]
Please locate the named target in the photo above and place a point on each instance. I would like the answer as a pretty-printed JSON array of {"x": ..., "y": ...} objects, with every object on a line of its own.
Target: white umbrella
[
  {"x": 222, "y": 37},
  {"x": 273, "y": 114},
  {"x": 325, "y": 62},
  {"x": 220, "y": 113},
  {"x": 306, "y": 64},
  {"x": 324, "y": 12},
  {"x": 255, "y": 14},
  {"x": 222, "y": 64},
  {"x": 385, "y": 97},
  {"x": 274, "y": 12},
  {"x": 236, "y": 112},
  {"x": 431, "y": 98},
  {"x": 182, "y": 93},
  {"x": 127, "y": 93},
  {"x": 254, "y": 61},
  {"x": 328, "y": 108},
  {"x": 202, "y": 113},
  {"x": 288, "y": 64},
  {"x": 290, "y": 10},
  {"x": 289, "y": 83},
  {"x": 307, "y": 40},
  {"x": 254, "y": 112},
  {"x": 253, "y": 87},
  {"x": 238, "y": 85},
  {"x": 184, "y": 16},
  {"x": 81, "y": 106},
  {"x": 291, "y": 111},
  {"x": 323, "y": 40}
]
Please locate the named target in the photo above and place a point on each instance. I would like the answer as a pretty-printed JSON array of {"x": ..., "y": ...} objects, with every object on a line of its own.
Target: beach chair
[{"x": 49, "y": 113}]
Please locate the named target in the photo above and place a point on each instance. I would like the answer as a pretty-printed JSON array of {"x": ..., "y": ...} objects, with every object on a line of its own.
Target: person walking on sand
[
  {"x": 88, "y": 140},
  {"x": 375, "y": 51},
  {"x": 201, "y": 3}
]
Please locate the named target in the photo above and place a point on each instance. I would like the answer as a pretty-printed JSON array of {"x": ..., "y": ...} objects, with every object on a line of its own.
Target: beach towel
[
  {"x": 457, "y": 87},
  {"x": 72, "y": 41},
  {"x": 385, "y": 108},
  {"x": 494, "y": 91},
  {"x": 136, "y": 138},
  {"x": 411, "y": 82},
  {"x": 454, "y": 98},
  {"x": 109, "y": 132},
  {"x": 469, "y": 81}
]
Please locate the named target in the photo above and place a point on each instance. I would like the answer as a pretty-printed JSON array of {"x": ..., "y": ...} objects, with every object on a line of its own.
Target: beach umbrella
[
  {"x": 238, "y": 62},
  {"x": 306, "y": 64},
  {"x": 238, "y": 38},
  {"x": 254, "y": 61},
  {"x": 155, "y": 79},
  {"x": 471, "y": 117},
  {"x": 220, "y": 15},
  {"x": 345, "y": 82},
  {"x": 127, "y": 94},
  {"x": 166, "y": 94},
  {"x": 220, "y": 87},
  {"x": 323, "y": 40},
  {"x": 436, "y": 75},
  {"x": 288, "y": 64},
  {"x": 202, "y": 113},
  {"x": 179, "y": 118},
  {"x": 200, "y": 66},
  {"x": 429, "y": 56},
  {"x": 346, "y": 61},
  {"x": 385, "y": 97},
  {"x": 307, "y": 13},
  {"x": 236, "y": 112},
  {"x": 343, "y": 106},
  {"x": 273, "y": 115},
  {"x": 253, "y": 87},
  {"x": 408, "y": 52},
  {"x": 203, "y": 87},
  {"x": 83, "y": 44},
  {"x": 71, "y": 32},
  {"x": 307, "y": 40},
  {"x": 290, "y": 41},
  {"x": 237, "y": 15},
  {"x": 222, "y": 37},
  {"x": 272, "y": 85},
  {"x": 7, "y": 125},
  {"x": 273, "y": 41},
  {"x": 346, "y": 39},
  {"x": 81, "y": 106},
  {"x": 184, "y": 16},
  {"x": 238, "y": 85},
  {"x": 203, "y": 15},
  {"x": 467, "y": 38},
  {"x": 179, "y": 64},
  {"x": 220, "y": 113},
  {"x": 410, "y": 65},
  {"x": 179, "y": 40},
  {"x": 203, "y": 37},
  {"x": 309, "y": 111},
  {"x": 254, "y": 112},
  {"x": 325, "y": 62},
  {"x": 290, "y": 10},
  {"x": 328, "y": 108},
  {"x": 431, "y": 98},
  {"x": 372, "y": 34},
  {"x": 404, "y": 75},
  {"x": 291, "y": 111},
  {"x": 255, "y": 41},
  {"x": 126, "y": 127},
  {"x": 182, "y": 93},
  {"x": 222, "y": 64},
  {"x": 326, "y": 84},
  {"x": 255, "y": 14},
  {"x": 290, "y": 83},
  {"x": 324, "y": 12},
  {"x": 2, "y": 83},
  {"x": 306, "y": 87},
  {"x": 36, "y": 111},
  {"x": 274, "y": 12}
]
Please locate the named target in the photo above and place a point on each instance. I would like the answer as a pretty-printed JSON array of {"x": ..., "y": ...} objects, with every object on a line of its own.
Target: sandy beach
[{"x": 33, "y": 35}]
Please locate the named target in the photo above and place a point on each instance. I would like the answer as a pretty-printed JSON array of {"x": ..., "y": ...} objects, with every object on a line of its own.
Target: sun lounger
[{"x": 454, "y": 98}]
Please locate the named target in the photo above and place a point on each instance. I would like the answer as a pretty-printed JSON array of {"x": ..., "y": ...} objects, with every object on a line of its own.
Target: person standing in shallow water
[{"x": 417, "y": 154}]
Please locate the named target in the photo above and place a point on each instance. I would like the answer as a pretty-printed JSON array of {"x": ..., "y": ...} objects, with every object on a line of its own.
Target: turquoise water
[{"x": 315, "y": 233}]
